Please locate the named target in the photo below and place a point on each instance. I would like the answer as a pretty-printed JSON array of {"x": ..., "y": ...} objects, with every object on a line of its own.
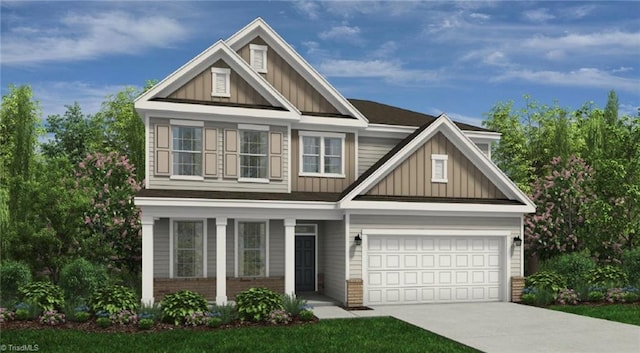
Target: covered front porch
[{"x": 287, "y": 250}]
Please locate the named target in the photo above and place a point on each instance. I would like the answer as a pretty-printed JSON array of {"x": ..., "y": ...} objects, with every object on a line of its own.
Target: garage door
[{"x": 431, "y": 269}]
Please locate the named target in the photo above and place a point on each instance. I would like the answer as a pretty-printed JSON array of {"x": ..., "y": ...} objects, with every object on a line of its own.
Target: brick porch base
[{"x": 207, "y": 286}]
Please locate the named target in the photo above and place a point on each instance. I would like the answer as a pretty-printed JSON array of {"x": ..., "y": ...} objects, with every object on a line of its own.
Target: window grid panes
[
  {"x": 322, "y": 155},
  {"x": 311, "y": 154},
  {"x": 252, "y": 248},
  {"x": 188, "y": 248},
  {"x": 332, "y": 155},
  {"x": 187, "y": 150},
  {"x": 254, "y": 154}
]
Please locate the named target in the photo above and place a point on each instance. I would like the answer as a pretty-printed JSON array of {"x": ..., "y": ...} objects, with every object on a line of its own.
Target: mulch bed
[{"x": 91, "y": 326}]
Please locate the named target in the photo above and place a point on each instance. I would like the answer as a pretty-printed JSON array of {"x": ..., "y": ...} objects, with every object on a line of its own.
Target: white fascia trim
[
  {"x": 219, "y": 50},
  {"x": 388, "y": 131},
  {"x": 321, "y": 134},
  {"x": 147, "y": 162},
  {"x": 275, "y": 41},
  {"x": 326, "y": 121},
  {"x": 455, "y": 208},
  {"x": 275, "y": 204},
  {"x": 195, "y": 123},
  {"x": 177, "y": 110},
  {"x": 253, "y": 127},
  {"x": 479, "y": 136},
  {"x": 437, "y": 232}
]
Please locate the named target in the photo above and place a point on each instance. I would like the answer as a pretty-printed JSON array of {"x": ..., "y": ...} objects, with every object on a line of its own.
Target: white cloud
[
  {"x": 574, "y": 41},
  {"x": 457, "y": 117},
  {"x": 622, "y": 69},
  {"x": 387, "y": 70},
  {"x": 81, "y": 37},
  {"x": 342, "y": 33},
  {"x": 479, "y": 16},
  {"x": 497, "y": 58},
  {"x": 579, "y": 11},
  {"x": 308, "y": 8},
  {"x": 628, "y": 109},
  {"x": 385, "y": 50},
  {"x": 585, "y": 77},
  {"x": 555, "y": 54},
  {"x": 538, "y": 15}
]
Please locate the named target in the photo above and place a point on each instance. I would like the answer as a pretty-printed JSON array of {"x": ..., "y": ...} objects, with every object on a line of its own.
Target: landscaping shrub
[
  {"x": 631, "y": 265},
  {"x": 6, "y": 315},
  {"x": 255, "y": 304},
  {"x": 153, "y": 312},
  {"x": 176, "y": 306},
  {"x": 113, "y": 299},
  {"x": 607, "y": 276},
  {"x": 81, "y": 316},
  {"x": 145, "y": 324},
  {"x": 596, "y": 296},
  {"x": 279, "y": 316},
  {"x": 622, "y": 295},
  {"x": 544, "y": 297},
  {"x": 306, "y": 315},
  {"x": 567, "y": 296},
  {"x": 573, "y": 267},
  {"x": 51, "y": 318},
  {"x": 46, "y": 296},
  {"x": 103, "y": 322},
  {"x": 547, "y": 280},
  {"x": 196, "y": 318},
  {"x": 79, "y": 278},
  {"x": 124, "y": 317},
  {"x": 293, "y": 304},
  {"x": 227, "y": 313},
  {"x": 214, "y": 322},
  {"x": 13, "y": 275}
]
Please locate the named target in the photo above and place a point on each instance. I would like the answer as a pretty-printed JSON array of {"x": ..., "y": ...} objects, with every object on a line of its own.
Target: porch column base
[
  {"x": 289, "y": 256},
  {"x": 355, "y": 293},
  {"x": 221, "y": 260}
]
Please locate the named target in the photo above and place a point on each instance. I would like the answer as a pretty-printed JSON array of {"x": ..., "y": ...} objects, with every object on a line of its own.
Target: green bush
[
  {"x": 45, "y": 295},
  {"x": 293, "y": 305},
  {"x": 607, "y": 276},
  {"x": 81, "y": 316},
  {"x": 227, "y": 313},
  {"x": 544, "y": 297},
  {"x": 573, "y": 266},
  {"x": 153, "y": 312},
  {"x": 113, "y": 299},
  {"x": 23, "y": 314},
  {"x": 180, "y": 304},
  {"x": 256, "y": 304},
  {"x": 631, "y": 265},
  {"x": 306, "y": 315},
  {"x": 547, "y": 280},
  {"x": 596, "y": 296},
  {"x": 214, "y": 322},
  {"x": 528, "y": 298},
  {"x": 145, "y": 324},
  {"x": 13, "y": 275},
  {"x": 25, "y": 311},
  {"x": 103, "y": 322},
  {"x": 80, "y": 278}
]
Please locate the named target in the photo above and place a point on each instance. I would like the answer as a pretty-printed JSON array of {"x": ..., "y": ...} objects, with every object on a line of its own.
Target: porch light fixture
[
  {"x": 358, "y": 240},
  {"x": 517, "y": 241}
]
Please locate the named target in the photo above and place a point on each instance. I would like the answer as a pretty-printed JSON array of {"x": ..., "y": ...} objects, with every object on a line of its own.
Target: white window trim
[
  {"x": 322, "y": 135},
  {"x": 236, "y": 245},
  {"x": 434, "y": 159},
  {"x": 220, "y": 71},
  {"x": 252, "y": 127},
  {"x": 185, "y": 123},
  {"x": 255, "y": 48},
  {"x": 172, "y": 250}
]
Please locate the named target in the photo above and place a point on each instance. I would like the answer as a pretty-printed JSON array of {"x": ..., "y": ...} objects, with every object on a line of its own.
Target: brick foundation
[
  {"x": 517, "y": 285},
  {"x": 207, "y": 286},
  {"x": 355, "y": 293}
]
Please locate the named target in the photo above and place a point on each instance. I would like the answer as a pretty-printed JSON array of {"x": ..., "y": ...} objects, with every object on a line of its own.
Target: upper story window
[
  {"x": 186, "y": 150},
  {"x": 321, "y": 154},
  {"x": 254, "y": 152},
  {"x": 439, "y": 168},
  {"x": 220, "y": 82},
  {"x": 258, "y": 57}
]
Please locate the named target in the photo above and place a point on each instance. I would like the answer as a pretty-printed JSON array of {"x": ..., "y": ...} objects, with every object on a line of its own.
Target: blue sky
[{"x": 454, "y": 57}]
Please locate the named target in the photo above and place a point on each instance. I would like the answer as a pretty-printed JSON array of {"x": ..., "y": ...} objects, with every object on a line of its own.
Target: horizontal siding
[
  {"x": 322, "y": 184},
  {"x": 371, "y": 149},
  {"x": 413, "y": 176},
  {"x": 276, "y": 247},
  {"x": 359, "y": 222},
  {"x": 334, "y": 260},
  {"x": 515, "y": 259},
  {"x": 161, "y": 248},
  {"x": 286, "y": 80},
  {"x": 218, "y": 183}
]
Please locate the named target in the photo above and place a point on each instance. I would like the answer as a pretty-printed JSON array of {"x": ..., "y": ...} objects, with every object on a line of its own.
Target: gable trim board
[
  {"x": 403, "y": 150},
  {"x": 219, "y": 50},
  {"x": 259, "y": 27}
]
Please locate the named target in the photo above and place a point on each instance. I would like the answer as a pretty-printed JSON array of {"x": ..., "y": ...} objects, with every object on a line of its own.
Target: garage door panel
[{"x": 419, "y": 269}]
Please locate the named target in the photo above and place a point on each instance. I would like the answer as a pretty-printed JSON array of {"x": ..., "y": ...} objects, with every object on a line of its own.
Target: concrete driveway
[{"x": 509, "y": 328}]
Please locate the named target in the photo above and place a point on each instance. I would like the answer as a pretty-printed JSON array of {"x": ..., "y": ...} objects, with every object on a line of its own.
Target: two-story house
[{"x": 260, "y": 173}]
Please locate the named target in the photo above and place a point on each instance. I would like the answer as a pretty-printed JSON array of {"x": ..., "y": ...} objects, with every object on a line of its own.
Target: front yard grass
[
  {"x": 341, "y": 335},
  {"x": 625, "y": 313}
]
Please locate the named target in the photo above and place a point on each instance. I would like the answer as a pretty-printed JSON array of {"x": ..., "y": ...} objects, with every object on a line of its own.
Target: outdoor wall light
[
  {"x": 517, "y": 241},
  {"x": 358, "y": 240}
]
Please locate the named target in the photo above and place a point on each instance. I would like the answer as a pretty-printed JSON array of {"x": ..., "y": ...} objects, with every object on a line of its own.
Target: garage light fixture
[
  {"x": 358, "y": 240},
  {"x": 517, "y": 241}
]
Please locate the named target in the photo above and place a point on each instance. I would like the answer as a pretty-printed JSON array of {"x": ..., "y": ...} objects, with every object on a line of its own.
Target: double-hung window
[
  {"x": 254, "y": 152},
  {"x": 188, "y": 237},
  {"x": 322, "y": 154},
  {"x": 187, "y": 150},
  {"x": 252, "y": 249}
]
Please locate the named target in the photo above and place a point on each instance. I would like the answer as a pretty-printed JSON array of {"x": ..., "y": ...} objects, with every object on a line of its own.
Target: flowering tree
[
  {"x": 113, "y": 219},
  {"x": 562, "y": 200}
]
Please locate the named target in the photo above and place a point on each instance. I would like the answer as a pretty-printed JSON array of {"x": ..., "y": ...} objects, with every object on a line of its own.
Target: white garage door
[{"x": 431, "y": 269}]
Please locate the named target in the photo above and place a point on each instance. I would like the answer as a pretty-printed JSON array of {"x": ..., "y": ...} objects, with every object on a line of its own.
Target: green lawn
[
  {"x": 347, "y": 335},
  {"x": 628, "y": 314}
]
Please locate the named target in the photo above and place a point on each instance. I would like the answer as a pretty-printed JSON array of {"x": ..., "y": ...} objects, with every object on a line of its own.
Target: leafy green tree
[{"x": 74, "y": 135}]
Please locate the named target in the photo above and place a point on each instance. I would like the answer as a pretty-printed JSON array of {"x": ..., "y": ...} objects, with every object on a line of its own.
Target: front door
[{"x": 305, "y": 263}]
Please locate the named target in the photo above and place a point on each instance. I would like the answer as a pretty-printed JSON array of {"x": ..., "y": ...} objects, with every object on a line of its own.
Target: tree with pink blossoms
[
  {"x": 113, "y": 219},
  {"x": 562, "y": 199}
]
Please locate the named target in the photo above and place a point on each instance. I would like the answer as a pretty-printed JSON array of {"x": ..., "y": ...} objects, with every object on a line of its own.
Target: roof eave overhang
[
  {"x": 435, "y": 207},
  {"x": 199, "y": 111}
]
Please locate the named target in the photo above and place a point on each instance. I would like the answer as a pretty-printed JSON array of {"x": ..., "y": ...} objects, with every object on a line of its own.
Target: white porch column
[
  {"x": 147, "y": 260},
  {"x": 289, "y": 256},
  {"x": 221, "y": 260}
]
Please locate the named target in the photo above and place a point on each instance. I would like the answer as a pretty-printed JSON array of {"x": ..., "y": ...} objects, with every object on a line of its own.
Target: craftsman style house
[{"x": 260, "y": 173}]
